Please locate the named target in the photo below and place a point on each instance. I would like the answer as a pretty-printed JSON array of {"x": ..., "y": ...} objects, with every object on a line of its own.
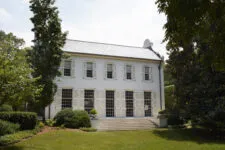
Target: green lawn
[{"x": 119, "y": 140}]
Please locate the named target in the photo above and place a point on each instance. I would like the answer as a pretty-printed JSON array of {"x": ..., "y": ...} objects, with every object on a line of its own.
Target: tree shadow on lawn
[
  {"x": 199, "y": 136},
  {"x": 12, "y": 147}
]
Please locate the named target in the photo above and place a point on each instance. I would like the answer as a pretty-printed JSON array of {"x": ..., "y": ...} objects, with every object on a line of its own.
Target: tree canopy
[
  {"x": 195, "y": 35},
  {"x": 46, "y": 53},
  {"x": 16, "y": 84}
]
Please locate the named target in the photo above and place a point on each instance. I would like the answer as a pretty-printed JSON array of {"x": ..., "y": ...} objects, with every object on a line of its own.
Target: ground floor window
[
  {"x": 147, "y": 103},
  {"x": 88, "y": 100},
  {"x": 109, "y": 103},
  {"x": 129, "y": 103},
  {"x": 67, "y": 97}
]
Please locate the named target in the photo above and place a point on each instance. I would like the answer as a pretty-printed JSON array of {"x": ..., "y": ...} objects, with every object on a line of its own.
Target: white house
[{"x": 120, "y": 82}]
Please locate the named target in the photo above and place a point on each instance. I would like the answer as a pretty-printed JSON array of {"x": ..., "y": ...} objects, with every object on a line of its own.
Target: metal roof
[{"x": 105, "y": 49}]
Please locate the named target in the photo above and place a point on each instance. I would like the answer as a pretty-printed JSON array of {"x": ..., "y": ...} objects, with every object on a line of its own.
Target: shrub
[
  {"x": 8, "y": 127},
  {"x": 16, "y": 137},
  {"x": 175, "y": 120},
  {"x": 26, "y": 120},
  {"x": 41, "y": 125},
  {"x": 93, "y": 112},
  {"x": 72, "y": 119},
  {"x": 63, "y": 116},
  {"x": 83, "y": 118},
  {"x": 50, "y": 122},
  {"x": 5, "y": 107},
  {"x": 88, "y": 129}
]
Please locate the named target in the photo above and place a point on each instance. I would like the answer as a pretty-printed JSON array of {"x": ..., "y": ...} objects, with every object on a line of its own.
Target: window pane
[
  {"x": 109, "y": 103},
  {"x": 89, "y": 66},
  {"x": 128, "y": 68},
  {"x": 66, "y": 98},
  {"x": 128, "y": 75},
  {"x": 67, "y": 68},
  {"x": 109, "y": 67},
  {"x": 146, "y": 70},
  {"x": 67, "y": 64},
  {"x": 89, "y": 73},
  {"x": 109, "y": 75},
  {"x": 146, "y": 76},
  {"x": 147, "y": 103},
  {"x": 88, "y": 100},
  {"x": 129, "y": 103}
]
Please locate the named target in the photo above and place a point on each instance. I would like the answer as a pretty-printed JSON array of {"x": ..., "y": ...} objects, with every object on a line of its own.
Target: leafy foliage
[
  {"x": 26, "y": 120},
  {"x": 46, "y": 54},
  {"x": 194, "y": 36},
  {"x": 8, "y": 127},
  {"x": 16, "y": 137},
  {"x": 16, "y": 84},
  {"x": 72, "y": 119},
  {"x": 5, "y": 107}
]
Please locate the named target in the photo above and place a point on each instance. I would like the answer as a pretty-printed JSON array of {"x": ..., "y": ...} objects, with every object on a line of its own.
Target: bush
[
  {"x": 5, "y": 107},
  {"x": 41, "y": 125},
  {"x": 83, "y": 118},
  {"x": 175, "y": 120},
  {"x": 16, "y": 137},
  {"x": 50, "y": 122},
  {"x": 72, "y": 119},
  {"x": 26, "y": 120},
  {"x": 8, "y": 127},
  {"x": 64, "y": 117},
  {"x": 88, "y": 129}
]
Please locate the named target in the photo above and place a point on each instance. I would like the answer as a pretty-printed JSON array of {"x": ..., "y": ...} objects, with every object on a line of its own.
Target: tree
[
  {"x": 16, "y": 84},
  {"x": 47, "y": 51},
  {"x": 198, "y": 22},
  {"x": 194, "y": 36}
]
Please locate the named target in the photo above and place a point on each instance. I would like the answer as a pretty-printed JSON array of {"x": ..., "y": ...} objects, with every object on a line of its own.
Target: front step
[{"x": 124, "y": 124}]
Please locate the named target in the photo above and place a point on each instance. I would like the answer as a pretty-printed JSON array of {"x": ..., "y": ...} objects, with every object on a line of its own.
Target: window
[
  {"x": 66, "y": 98},
  {"x": 89, "y": 72},
  {"x": 147, "y": 103},
  {"x": 67, "y": 68},
  {"x": 129, "y": 103},
  {"x": 109, "y": 71},
  {"x": 88, "y": 100},
  {"x": 128, "y": 72},
  {"x": 147, "y": 71},
  {"x": 109, "y": 103}
]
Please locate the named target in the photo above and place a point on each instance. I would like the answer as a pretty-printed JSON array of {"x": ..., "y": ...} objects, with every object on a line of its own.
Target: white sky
[{"x": 126, "y": 22}]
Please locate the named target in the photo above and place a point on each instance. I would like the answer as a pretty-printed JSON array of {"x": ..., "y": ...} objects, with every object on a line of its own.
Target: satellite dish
[{"x": 147, "y": 44}]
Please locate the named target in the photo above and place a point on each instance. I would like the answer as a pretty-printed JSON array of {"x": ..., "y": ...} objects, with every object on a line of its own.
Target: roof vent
[{"x": 147, "y": 44}]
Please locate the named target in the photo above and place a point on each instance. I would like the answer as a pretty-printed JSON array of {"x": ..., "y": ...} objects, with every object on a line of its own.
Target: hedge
[
  {"x": 26, "y": 120},
  {"x": 8, "y": 127},
  {"x": 72, "y": 119},
  {"x": 16, "y": 137},
  {"x": 5, "y": 107}
]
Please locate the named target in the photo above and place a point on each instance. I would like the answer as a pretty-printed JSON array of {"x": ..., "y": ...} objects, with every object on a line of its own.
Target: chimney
[{"x": 147, "y": 44}]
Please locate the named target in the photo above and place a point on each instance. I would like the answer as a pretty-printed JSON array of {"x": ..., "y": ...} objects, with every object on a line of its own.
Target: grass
[{"x": 119, "y": 140}]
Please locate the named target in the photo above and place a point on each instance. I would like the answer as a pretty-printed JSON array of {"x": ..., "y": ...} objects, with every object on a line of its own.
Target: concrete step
[{"x": 123, "y": 124}]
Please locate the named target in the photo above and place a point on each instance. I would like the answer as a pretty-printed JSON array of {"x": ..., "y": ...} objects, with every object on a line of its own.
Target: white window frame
[
  {"x": 132, "y": 72},
  {"x": 113, "y": 71},
  {"x": 85, "y": 70},
  {"x": 150, "y": 73}
]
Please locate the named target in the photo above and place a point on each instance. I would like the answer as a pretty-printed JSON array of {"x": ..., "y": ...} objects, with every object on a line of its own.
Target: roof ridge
[{"x": 106, "y": 43}]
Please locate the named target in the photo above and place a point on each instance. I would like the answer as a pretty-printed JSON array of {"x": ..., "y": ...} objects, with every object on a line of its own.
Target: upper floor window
[
  {"x": 89, "y": 72},
  {"x": 147, "y": 73},
  {"x": 128, "y": 72},
  {"x": 109, "y": 71},
  {"x": 67, "y": 68}
]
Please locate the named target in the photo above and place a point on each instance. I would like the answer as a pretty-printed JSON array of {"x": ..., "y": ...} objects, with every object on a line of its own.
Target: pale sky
[{"x": 126, "y": 22}]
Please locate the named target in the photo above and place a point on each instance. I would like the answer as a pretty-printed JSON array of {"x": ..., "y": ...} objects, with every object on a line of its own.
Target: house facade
[{"x": 118, "y": 81}]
